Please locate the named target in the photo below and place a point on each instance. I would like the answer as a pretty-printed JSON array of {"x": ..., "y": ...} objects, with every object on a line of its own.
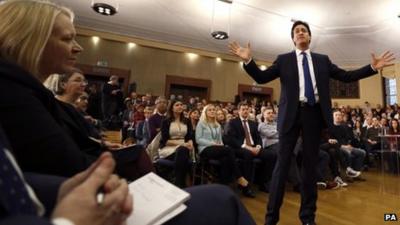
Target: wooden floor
[{"x": 361, "y": 203}]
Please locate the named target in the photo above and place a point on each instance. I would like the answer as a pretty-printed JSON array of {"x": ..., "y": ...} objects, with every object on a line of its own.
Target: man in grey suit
[{"x": 304, "y": 109}]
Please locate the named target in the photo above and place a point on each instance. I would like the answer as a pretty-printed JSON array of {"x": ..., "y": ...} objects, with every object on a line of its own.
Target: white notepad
[{"x": 155, "y": 200}]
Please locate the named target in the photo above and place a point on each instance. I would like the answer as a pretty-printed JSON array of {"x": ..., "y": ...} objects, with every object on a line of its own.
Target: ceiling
[{"x": 347, "y": 30}]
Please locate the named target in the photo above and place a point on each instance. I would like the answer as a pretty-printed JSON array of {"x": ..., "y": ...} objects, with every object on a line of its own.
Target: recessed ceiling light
[
  {"x": 220, "y": 35},
  {"x": 104, "y": 8}
]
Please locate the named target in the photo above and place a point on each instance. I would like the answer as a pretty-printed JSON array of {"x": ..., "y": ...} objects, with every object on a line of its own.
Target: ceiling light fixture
[
  {"x": 105, "y": 7},
  {"x": 219, "y": 7},
  {"x": 220, "y": 35}
]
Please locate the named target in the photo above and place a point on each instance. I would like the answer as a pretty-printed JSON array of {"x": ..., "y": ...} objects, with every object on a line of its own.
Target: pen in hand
[{"x": 100, "y": 195}]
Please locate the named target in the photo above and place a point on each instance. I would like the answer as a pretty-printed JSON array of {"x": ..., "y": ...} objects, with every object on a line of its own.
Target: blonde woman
[
  {"x": 37, "y": 38},
  {"x": 210, "y": 146}
]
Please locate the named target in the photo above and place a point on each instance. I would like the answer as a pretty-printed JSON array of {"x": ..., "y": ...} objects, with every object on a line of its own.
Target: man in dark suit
[
  {"x": 241, "y": 134},
  {"x": 304, "y": 108}
]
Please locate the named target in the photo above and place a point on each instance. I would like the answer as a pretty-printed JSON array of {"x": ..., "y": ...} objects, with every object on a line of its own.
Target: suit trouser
[
  {"x": 308, "y": 124},
  {"x": 334, "y": 154}
]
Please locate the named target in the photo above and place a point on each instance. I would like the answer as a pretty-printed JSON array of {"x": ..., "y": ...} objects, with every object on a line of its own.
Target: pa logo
[{"x": 390, "y": 217}]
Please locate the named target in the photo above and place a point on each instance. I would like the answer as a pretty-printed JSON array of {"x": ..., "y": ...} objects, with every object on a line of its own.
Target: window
[{"x": 390, "y": 91}]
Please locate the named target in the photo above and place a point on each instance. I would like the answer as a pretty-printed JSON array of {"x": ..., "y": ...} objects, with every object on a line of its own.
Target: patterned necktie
[
  {"x": 12, "y": 188},
  {"x": 246, "y": 133},
  {"x": 308, "y": 85}
]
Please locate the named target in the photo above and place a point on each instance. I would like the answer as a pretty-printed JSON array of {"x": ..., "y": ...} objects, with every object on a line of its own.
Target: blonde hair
[
  {"x": 25, "y": 28},
  {"x": 205, "y": 119},
  {"x": 52, "y": 82}
]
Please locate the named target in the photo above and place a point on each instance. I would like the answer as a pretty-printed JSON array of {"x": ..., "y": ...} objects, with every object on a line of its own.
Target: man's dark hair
[
  {"x": 243, "y": 103},
  {"x": 299, "y": 22}
]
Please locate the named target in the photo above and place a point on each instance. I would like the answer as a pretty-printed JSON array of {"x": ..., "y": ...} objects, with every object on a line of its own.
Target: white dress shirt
[
  {"x": 299, "y": 57},
  {"x": 248, "y": 128}
]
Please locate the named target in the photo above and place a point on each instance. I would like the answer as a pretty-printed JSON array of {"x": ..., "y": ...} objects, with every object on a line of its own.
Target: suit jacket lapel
[
  {"x": 316, "y": 71},
  {"x": 240, "y": 125},
  {"x": 295, "y": 68}
]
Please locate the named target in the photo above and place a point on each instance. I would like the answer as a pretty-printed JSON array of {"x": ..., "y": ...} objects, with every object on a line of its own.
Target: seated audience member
[
  {"x": 221, "y": 119},
  {"x": 372, "y": 141},
  {"x": 261, "y": 114},
  {"x": 384, "y": 122},
  {"x": 392, "y": 158},
  {"x": 131, "y": 163},
  {"x": 332, "y": 147},
  {"x": 126, "y": 118},
  {"x": 56, "y": 201},
  {"x": 194, "y": 116},
  {"x": 394, "y": 127},
  {"x": 242, "y": 135},
  {"x": 41, "y": 145},
  {"x": 81, "y": 105},
  {"x": 368, "y": 121},
  {"x": 134, "y": 98},
  {"x": 176, "y": 141},
  {"x": 192, "y": 103},
  {"x": 138, "y": 115},
  {"x": 159, "y": 115},
  {"x": 359, "y": 134},
  {"x": 142, "y": 129},
  {"x": 270, "y": 139},
  {"x": 210, "y": 145},
  {"x": 44, "y": 144},
  {"x": 67, "y": 89},
  {"x": 353, "y": 157}
]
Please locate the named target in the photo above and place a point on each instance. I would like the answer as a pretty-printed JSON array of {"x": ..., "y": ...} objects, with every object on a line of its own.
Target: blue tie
[
  {"x": 12, "y": 188},
  {"x": 308, "y": 85}
]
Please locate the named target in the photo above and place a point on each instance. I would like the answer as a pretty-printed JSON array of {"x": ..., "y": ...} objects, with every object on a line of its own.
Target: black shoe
[{"x": 246, "y": 191}]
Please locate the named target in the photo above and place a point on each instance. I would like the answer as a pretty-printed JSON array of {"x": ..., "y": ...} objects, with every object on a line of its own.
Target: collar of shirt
[
  {"x": 299, "y": 58},
  {"x": 270, "y": 122},
  {"x": 242, "y": 119},
  {"x": 298, "y": 52}
]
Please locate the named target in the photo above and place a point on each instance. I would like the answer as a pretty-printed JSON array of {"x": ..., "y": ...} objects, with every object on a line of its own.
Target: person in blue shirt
[{"x": 210, "y": 146}]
